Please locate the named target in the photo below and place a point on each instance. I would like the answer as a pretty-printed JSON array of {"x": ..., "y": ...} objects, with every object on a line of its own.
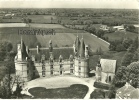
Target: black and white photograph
[{"x": 69, "y": 49}]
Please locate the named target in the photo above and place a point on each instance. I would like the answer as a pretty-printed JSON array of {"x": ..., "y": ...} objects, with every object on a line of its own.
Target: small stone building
[{"x": 105, "y": 70}]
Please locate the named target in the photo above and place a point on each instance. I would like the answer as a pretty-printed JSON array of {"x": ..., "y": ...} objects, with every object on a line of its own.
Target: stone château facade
[{"x": 43, "y": 62}]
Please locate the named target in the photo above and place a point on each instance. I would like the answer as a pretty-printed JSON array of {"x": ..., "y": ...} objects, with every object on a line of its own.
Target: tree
[
  {"x": 131, "y": 28},
  {"x": 135, "y": 57},
  {"x": 133, "y": 73},
  {"x": 100, "y": 33},
  {"x": 7, "y": 86},
  {"x": 127, "y": 59},
  {"x": 120, "y": 77},
  {"x": 126, "y": 43},
  {"x": 135, "y": 43},
  {"x": 120, "y": 47},
  {"x": 5, "y": 46},
  {"x": 97, "y": 94}
]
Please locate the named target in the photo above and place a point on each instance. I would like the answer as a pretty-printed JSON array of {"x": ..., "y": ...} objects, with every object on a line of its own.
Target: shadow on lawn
[{"x": 76, "y": 91}]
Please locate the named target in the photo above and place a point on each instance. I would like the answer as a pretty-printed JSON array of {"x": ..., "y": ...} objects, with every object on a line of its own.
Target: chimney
[
  {"x": 27, "y": 50},
  {"x": 37, "y": 49}
]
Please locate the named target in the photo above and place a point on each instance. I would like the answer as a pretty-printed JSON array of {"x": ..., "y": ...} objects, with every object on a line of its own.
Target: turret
[
  {"x": 82, "y": 49},
  {"x": 60, "y": 58},
  {"x": 19, "y": 53},
  {"x": 21, "y": 61},
  {"x": 77, "y": 46},
  {"x": 98, "y": 71},
  {"x": 86, "y": 51},
  {"x": 50, "y": 46}
]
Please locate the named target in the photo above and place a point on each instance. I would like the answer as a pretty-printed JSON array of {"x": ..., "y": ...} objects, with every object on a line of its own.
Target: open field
[
  {"x": 43, "y": 18},
  {"x": 63, "y": 37},
  {"x": 67, "y": 39},
  {"x": 120, "y": 35},
  {"x": 11, "y": 35}
]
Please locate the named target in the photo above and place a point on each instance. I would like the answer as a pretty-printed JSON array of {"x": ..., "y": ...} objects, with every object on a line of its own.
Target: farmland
[
  {"x": 63, "y": 37},
  {"x": 11, "y": 35},
  {"x": 43, "y": 18}
]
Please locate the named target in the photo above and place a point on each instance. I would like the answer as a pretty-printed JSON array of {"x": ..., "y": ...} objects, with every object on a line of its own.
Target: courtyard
[{"x": 62, "y": 87}]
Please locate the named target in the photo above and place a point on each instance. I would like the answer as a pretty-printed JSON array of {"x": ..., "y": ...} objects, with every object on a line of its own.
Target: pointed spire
[
  {"x": 23, "y": 49},
  {"x": 82, "y": 48},
  {"x": 77, "y": 44},
  {"x": 50, "y": 46}
]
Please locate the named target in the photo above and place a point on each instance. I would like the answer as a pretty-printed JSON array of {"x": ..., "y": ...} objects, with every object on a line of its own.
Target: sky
[{"x": 114, "y": 4}]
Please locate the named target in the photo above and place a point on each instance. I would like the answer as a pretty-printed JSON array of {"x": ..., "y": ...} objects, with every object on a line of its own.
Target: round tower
[
  {"x": 84, "y": 61},
  {"x": 84, "y": 70},
  {"x": 76, "y": 66},
  {"x": 21, "y": 62}
]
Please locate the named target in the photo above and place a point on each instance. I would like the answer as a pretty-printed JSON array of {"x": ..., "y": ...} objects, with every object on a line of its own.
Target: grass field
[
  {"x": 11, "y": 35},
  {"x": 63, "y": 37},
  {"x": 120, "y": 35},
  {"x": 76, "y": 91}
]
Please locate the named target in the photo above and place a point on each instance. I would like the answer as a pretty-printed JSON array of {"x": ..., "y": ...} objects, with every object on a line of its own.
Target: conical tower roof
[
  {"x": 23, "y": 50},
  {"x": 77, "y": 45},
  {"x": 50, "y": 46},
  {"x": 82, "y": 48}
]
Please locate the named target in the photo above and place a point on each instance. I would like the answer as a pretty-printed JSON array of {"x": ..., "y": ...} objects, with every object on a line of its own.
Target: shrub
[
  {"x": 97, "y": 94},
  {"x": 101, "y": 85}
]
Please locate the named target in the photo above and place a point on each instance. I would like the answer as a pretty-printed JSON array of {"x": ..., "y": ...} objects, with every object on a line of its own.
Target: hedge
[{"x": 101, "y": 85}]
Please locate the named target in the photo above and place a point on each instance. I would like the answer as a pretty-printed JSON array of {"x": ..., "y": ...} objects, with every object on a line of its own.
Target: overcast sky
[{"x": 124, "y": 4}]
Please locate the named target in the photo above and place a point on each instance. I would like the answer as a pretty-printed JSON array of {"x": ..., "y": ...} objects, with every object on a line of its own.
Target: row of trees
[
  {"x": 123, "y": 44},
  {"x": 131, "y": 54}
]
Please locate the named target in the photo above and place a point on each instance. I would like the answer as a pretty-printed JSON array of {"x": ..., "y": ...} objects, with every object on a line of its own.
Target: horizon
[{"x": 77, "y": 4}]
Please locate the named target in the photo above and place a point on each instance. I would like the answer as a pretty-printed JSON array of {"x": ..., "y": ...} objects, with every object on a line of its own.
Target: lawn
[
  {"x": 11, "y": 35},
  {"x": 76, "y": 91},
  {"x": 120, "y": 35},
  {"x": 63, "y": 39}
]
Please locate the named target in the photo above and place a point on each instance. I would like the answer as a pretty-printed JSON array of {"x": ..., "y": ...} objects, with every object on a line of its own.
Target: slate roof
[
  {"x": 108, "y": 65},
  {"x": 82, "y": 49},
  {"x": 77, "y": 45},
  {"x": 23, "y": 50},
  {"x": 129, "y": 90},
  {"x": 64, "y": 52}
]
